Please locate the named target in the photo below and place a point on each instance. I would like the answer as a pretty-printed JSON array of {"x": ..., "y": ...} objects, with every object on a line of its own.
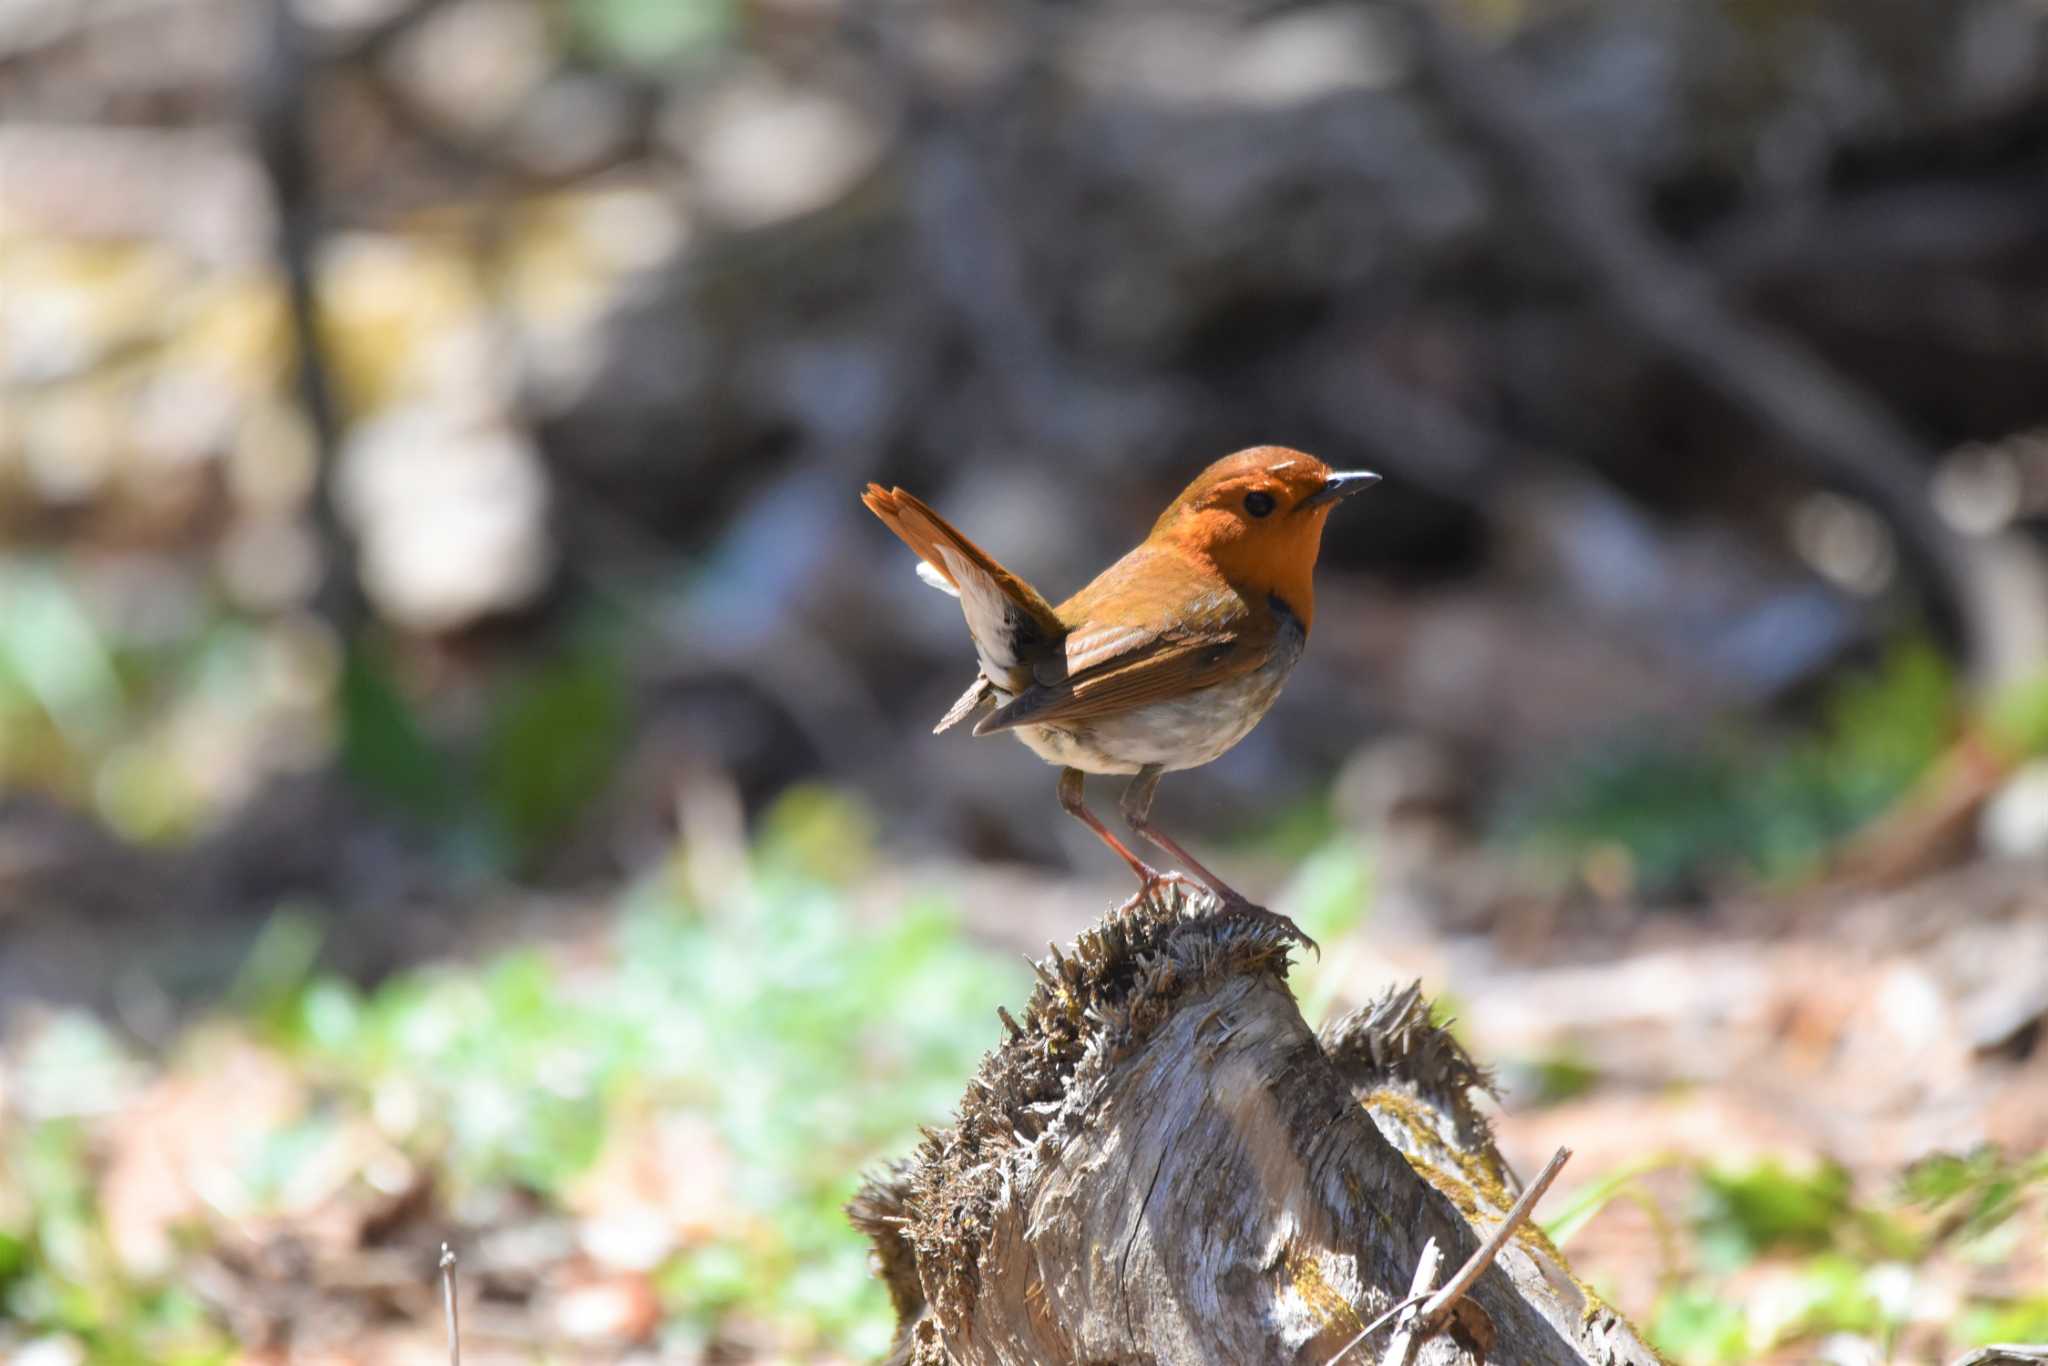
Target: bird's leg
[
  {"x": 1070, "y": 800},
  {"x": 1137, "y": 808}
]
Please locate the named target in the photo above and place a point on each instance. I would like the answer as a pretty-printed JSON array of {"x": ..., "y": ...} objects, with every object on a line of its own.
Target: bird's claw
[
  {"x": 1237, "y": 905},
  {"x": 1152, "y": 881},
  {"x": 1229, "y": 903}
]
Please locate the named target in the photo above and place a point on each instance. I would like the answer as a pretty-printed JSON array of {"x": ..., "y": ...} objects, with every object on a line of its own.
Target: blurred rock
[
  {"x": 1403, "y": 779},
  {"x": 475, "y": 63},
  {"x": 765, "y": 151},
  {"x": 1411, "y": 799},
  {"x": 1190, "y": 58},
  {"x": 614, "y": 1309},
  {"x": 196, "y": 190},
  {"x": 55, "y": 1350},
  {"x": 451, "y": 514},
  {"x": 2014, "y": 823},
  {"x": 571, "y": 123}
]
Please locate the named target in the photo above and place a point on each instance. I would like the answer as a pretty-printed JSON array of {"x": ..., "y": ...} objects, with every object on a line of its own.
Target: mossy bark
[{"x": 1164, "y": 1164}]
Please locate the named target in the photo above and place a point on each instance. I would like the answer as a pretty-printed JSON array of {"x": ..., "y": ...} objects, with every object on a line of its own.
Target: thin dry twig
[
  {"x": 1408, "y": 1335},
  {"x": 1418, "y": 1290},
  {"x": 1394, "y": 1310},
  {"x": 1430, "y": 1258},
  {"x": 448, "y": 1302},
  {"x": 1425, "y": 1309},
  {"x": 1440, "y": 1305}
]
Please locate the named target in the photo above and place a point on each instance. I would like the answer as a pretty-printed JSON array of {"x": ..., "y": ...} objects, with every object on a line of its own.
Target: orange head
[{"x": 1257, "y": 516}]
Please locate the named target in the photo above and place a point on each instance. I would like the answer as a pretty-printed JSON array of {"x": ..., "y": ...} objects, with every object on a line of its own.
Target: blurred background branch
[
  {"x": 1810, "y": 410},
  {"x": 280, "y": 91}
]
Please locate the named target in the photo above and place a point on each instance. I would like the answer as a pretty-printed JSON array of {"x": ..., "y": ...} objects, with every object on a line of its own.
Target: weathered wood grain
[{"x": 1165, "y": 1165}]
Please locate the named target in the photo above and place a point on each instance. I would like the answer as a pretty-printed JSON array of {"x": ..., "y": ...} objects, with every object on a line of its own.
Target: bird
[{"x": 1166, "y": 659}]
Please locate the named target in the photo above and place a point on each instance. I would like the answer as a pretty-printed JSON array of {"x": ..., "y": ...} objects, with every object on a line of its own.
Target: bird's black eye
[{"x": 1258, "y": 504}]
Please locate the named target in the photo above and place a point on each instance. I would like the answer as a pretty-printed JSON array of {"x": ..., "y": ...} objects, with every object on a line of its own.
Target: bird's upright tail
[{"x": 1011, "y": 622}]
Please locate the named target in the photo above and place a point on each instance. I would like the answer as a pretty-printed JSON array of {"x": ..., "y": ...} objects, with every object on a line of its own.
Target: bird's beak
[{"x": 1341, "y": 486}]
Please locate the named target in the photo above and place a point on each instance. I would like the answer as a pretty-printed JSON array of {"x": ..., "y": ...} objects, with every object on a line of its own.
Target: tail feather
[
  {"x": 1011, "y": 622},
  {"x": 978, "y": 692},
  {"x": 936, "y": 579}
]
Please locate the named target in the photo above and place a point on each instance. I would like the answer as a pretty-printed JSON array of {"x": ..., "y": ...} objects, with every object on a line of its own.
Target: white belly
[{"x": 1181, "y": 733}]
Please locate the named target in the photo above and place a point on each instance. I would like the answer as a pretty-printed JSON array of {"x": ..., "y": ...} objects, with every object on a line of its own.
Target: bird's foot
[
  {"x": 1238, "y": 905},
  {"x": 1153, "y": 881}
]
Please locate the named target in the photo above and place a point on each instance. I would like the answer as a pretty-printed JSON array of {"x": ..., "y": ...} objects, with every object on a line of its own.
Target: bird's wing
[
  {"x": 1115, "y": 660},
  {"x": 1013, "y": 626}
]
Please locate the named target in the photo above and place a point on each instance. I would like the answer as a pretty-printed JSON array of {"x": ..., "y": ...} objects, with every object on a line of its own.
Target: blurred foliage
[
  {"x": 553, "y": 729},
  {"x": 2017, "y": 718},
  {"x": 384, "y": 747},
  {"x": 1812, "y": 1258},
  {"x": 1573, "y": 1212},
  {"x": 2023, "y": 1320},
  {"x": 1971, "y": 1196},
  {"x": 1296, "y": 831},
  {"x": 1331, "y": 889},
  {"x": 1745, "y": 802},
  {"x": 161, "y": 725},
  {"x": 1329, "y": 896},
  {"x": 1696, "y": 1326},
  {"x": 1749, "y": 1211},
  {"x": 651, "y": 32},
  {"x": 813, "y": 1041},
  {"x": 57, "y": 1271},
  {"x": 155, "y": 719},
  {"x": 1555, "y": 1077}
]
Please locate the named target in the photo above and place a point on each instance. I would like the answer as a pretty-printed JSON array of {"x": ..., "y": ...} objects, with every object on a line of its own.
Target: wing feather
[{"x": 1112, "y": 663}]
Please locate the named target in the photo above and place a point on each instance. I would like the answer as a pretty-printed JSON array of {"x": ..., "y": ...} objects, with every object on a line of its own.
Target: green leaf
[
  {"x": 1767, "y": 1206},
  {"x": 330, "y": 1015},
  {"x": 2018, "y": 716},
  {"x": 554, "y": 735},
  {"x": 1836, "y": 1296},
  {"x": 652, "y": 32},
  {"x": 817, "y": 834},
  {"x": 13, "y": 1255},
  {"x": 1974, "y": 1192},
  {"x": 1743, "y": 799},
  {"x": 1583, "y": 1205},
  {"x": 1697, "y": 1327},
  {"x": 278, "y": 967},
  {"x": 383, "y": 745},
  {"x": 2022, "y": 1320},
  {"x": 50, "y": 644},
  {"x": 1561, "y": 1075}
]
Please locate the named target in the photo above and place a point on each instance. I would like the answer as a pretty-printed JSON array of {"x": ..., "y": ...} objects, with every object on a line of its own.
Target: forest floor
[{"x": 1804, "y": 1129}]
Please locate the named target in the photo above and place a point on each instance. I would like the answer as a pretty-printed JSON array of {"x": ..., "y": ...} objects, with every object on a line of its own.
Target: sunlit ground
[{"x": 642, "y": 1136}]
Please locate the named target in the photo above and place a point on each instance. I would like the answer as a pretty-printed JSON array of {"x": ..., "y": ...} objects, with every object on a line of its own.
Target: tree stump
[{"x": 1163, "y": 1164}]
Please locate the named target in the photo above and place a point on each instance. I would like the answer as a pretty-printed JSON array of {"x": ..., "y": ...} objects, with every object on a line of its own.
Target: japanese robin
[{"x": 1168, "y": 658}]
